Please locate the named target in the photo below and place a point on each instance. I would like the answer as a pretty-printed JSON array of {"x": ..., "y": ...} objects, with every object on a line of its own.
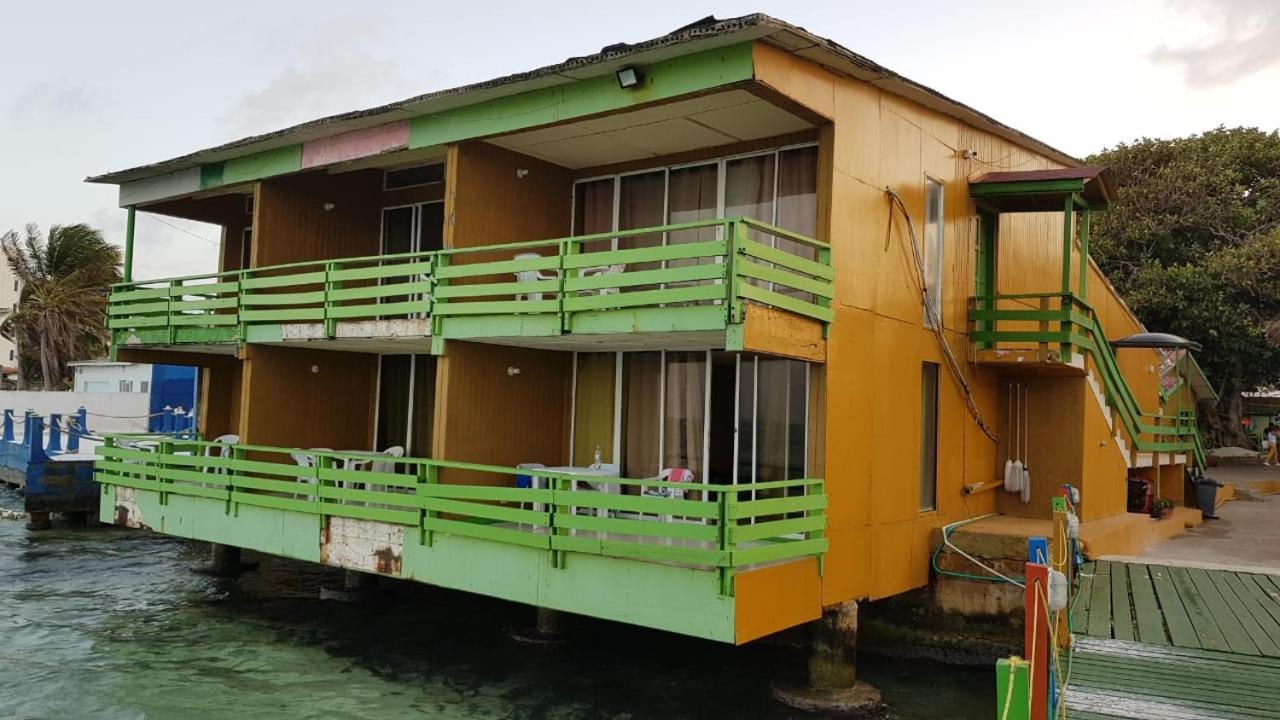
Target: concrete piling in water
[
  {"x": 832, "y": 684},
  {"x": 224, "y": 561},
  {"x": 548, "y": 628}
]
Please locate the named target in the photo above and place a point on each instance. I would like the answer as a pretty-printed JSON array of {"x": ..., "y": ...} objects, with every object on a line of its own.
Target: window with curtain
[
  {"x": 692, "y": 195},
  {"x": 593, "y": 210},
  {"x": 773, "y": 419},
  {"x": 933, "y": 248},
  {"x": 593, "y": 407},
  {"x": 641, "y": 413},
  {"x": 928, "y": 436},
  {"x": 684, "y": 411}
]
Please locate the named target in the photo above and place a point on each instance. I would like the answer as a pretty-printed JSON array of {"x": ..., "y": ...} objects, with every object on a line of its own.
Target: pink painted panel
[{"x": 355, "y": 144}]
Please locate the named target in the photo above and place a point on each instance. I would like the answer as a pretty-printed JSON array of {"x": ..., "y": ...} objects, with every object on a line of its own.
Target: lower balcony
[
  {"x": 722, "y": 562},
  {"x": 718, "y": 284}
]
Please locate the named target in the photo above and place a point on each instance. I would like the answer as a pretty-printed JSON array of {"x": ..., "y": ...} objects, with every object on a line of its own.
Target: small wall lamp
[
  {"x": 629, "y": 77},
  {"x": 512, "y": 371},
  {"x": 329, "y": 206},
  {"x": 522, "y": 173}
]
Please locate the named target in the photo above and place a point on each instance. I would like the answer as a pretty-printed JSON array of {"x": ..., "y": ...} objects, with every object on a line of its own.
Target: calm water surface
[{"x": 107, "y": 623}]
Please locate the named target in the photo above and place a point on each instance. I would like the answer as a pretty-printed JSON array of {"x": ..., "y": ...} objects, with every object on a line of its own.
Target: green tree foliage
[
  {"x": 1193, "y": 244},
  {"x": 65, "y": 280}
]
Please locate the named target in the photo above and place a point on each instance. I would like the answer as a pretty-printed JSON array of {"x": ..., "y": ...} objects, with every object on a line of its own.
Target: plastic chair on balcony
[
  {"x": 671, "y": 475},
  {"x": 221, "y": 448},
  {"x": 601, "y": 271},
  {"x": 531, "y": 276}
]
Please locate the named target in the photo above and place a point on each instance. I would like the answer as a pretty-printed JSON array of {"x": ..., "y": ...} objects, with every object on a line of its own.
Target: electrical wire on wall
[{"x": 935, "y": 319}]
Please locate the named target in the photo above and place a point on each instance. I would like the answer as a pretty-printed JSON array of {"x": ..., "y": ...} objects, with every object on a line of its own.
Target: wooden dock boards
[
  {"x": 1118, "y": 679},
  {"x": 1180, "y": 607}
]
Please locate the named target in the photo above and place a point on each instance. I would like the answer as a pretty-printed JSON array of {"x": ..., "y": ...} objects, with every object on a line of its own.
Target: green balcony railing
[
  {"x": 1058, "y": 326},
  {"x": 690, "y": 276},
  {"x": 718, "y": 528}
]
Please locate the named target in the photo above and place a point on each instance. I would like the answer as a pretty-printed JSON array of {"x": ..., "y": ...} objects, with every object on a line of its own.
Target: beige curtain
[
  {"x": 642, "y": 397},
  {"x": 798, "y": 205},
  {"x": 685, "y": 414},
  {"x": 593, "y": 211},
  {"x": 593, "y": 408},
  {"x": 691, "y": 196}
]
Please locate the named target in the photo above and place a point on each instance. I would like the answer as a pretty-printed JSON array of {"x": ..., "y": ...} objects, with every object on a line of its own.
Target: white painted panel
[{"x": 160, "y": 187}]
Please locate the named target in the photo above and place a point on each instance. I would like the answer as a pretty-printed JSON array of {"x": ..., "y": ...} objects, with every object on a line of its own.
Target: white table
[{"x": 593, "y": 476}]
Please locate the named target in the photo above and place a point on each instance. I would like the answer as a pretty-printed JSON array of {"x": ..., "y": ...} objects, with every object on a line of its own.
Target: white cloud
[
  {"x": 332, "y": 66},
  {"x": 1243, "y": 39}
]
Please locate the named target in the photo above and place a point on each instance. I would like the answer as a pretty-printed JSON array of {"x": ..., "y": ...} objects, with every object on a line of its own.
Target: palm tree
[{"x": 65, "y": 280}]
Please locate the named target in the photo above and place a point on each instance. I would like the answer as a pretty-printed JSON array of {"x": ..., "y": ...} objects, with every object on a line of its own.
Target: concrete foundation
[
  {"x": 224, "y": 561},
  {"x": 548, "y": 629},
  {"x": 354, "y": 586},
  {"x": 833, "y": 686},
  {"x": 39, "y": 521}
]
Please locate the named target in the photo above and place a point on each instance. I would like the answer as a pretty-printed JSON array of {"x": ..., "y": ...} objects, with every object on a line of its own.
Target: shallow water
[{"x": 106, "y": 623}]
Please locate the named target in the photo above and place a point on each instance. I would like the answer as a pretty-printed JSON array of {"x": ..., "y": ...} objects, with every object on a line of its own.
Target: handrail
[
  {"x": 714, "y": 274},
  {"x": 1075, "y": 313},
  {"x": 723, "y": 527}
]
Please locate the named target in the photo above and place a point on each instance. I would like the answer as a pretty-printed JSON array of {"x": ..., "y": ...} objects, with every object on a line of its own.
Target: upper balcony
[{"x": 716, "y": 284}]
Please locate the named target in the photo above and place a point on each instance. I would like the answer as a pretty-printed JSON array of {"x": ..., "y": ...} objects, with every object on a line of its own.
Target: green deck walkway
[{"x": 1154, "y": 641}]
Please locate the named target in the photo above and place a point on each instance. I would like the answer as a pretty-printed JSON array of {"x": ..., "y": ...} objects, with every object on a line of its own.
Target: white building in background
[
  {"x": 10, "y": 289},
  {"x": 104, "y": 376}
]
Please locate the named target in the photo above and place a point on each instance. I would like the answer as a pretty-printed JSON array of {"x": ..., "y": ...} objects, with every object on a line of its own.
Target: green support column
[
  {"x": 985, "y": 285},
  {"x": 1067, "y": 216},
  {"x": 128, "y": 244},
  {"x": 1084, "y": 255},
  {"x": 1065, "y": 325}
]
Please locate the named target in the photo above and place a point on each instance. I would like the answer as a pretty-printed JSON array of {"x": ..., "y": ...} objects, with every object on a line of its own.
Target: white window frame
[
  {"x": 386, "y": 171},
  {"x": 720, "y": 163},
  {"x": 934, "y": 262},
  {"x": 377, "y": 401}
]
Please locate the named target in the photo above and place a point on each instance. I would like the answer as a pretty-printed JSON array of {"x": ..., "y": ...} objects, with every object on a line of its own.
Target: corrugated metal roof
[{"x": 704, "y": 34}]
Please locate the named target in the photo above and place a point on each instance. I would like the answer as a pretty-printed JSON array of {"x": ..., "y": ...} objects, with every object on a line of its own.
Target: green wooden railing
[
  {"x": 714, "y": 527},
  {"x": 1056, "y": 326},
  {"x": 574, "y": 284}
]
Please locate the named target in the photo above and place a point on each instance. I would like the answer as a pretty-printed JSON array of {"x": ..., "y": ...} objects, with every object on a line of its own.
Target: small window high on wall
[
  {"x": 928, "y": 436},
  {"x": 413, "y": 176},
  {"x": 933, "y": 249}
]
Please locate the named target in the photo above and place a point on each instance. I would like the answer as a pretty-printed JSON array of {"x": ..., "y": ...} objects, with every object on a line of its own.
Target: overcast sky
[{"x": 90, "y": 87}]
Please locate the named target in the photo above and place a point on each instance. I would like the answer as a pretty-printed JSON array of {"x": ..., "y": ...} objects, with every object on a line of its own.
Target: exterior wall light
[
  {"x": 329, "y": 206},
  {"x": 629, "y": 77}
]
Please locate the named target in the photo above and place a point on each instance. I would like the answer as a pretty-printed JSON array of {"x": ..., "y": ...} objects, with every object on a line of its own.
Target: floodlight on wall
[{"x": 629, "y": 77}]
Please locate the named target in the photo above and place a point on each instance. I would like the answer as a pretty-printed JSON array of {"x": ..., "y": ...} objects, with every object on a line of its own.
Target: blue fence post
[
  {"x": 83, "y": 416},
  {"x": 26, "y": 427},
  {"x": 8, "y": 425},
  {"x": 73, "y": 435},
  {"x": 166, "y": 421},
  {"x": 1038, "y": 550},
  {"x": 36, "y": 447},
  {"x": 55, "y": 434}
]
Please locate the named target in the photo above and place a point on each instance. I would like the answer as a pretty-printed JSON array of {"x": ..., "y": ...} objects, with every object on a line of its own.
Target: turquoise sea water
[{"x": 101, "y": 622}]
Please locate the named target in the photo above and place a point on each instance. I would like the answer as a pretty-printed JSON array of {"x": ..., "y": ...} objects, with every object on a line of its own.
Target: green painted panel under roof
[
  {"x": 263, "y": 164},
  {"x": 211, "y": 175},
  {"x": 673, "y": 78}
]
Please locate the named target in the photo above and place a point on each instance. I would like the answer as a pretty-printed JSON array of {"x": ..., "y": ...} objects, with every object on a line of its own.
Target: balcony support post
[
  {"x": 833, "y": 685},
  {"x": 1084, "y": 255},
  {"x": 130, "y": 217}
]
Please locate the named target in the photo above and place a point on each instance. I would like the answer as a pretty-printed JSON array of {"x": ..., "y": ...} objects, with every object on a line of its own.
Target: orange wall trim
[{"x": 774, "y": 598}]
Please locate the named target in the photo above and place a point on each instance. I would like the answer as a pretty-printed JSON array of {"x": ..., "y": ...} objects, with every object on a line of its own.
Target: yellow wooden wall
[
  {"x": 483, "y": 413},
  {"x": 880, "y": 539},
  {"x": 294, "y": 397}
]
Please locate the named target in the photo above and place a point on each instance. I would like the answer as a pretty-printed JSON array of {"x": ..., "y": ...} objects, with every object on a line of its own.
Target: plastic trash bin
[{"x": 1207, "y": 495}]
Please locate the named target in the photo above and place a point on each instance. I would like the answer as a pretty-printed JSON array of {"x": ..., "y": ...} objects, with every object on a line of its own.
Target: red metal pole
[{"x": 1036, "y": 640}]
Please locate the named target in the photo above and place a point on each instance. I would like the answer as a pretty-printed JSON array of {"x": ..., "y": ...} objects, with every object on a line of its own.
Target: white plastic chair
[
  {"x": 221, "y": 448},
  {"x": 600, "y": 271},
  {"x": 531, "y": 276}
]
